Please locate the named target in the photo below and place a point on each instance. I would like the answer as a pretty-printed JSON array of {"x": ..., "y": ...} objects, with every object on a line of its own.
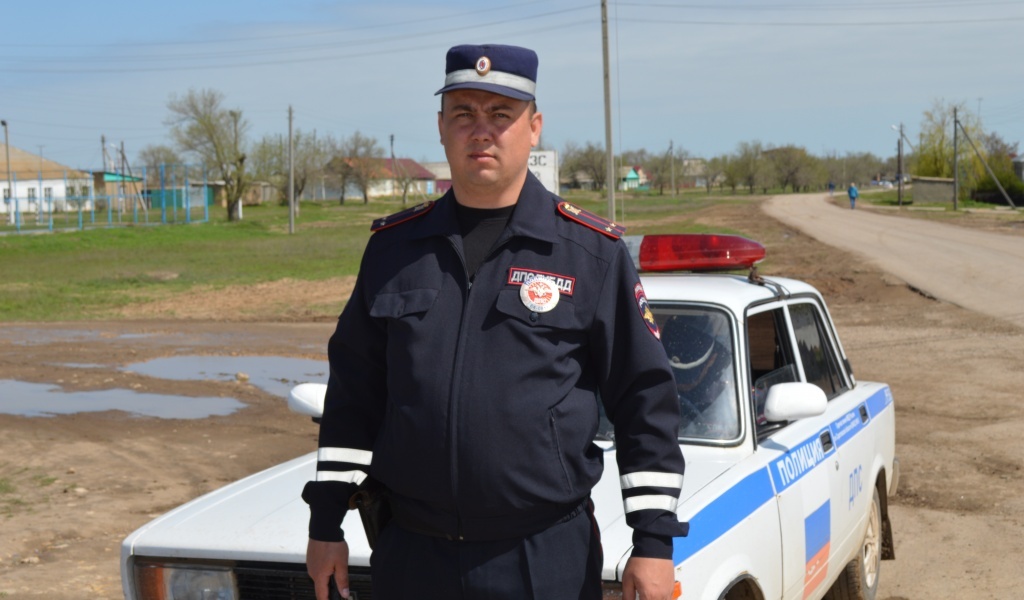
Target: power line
[
  {"x": 303, "y": 34},
  {"x": 824, "y": 23},
  {"x": 367, "y": 48}
]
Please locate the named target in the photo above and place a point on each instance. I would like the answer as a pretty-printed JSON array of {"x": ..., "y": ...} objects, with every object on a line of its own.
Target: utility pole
[
  {"x": 956, "y": 159},
  {"x": 103, "y": 143},
  {"x": 10, "y": 185},
  {"x": 391, "y": 138},
  {"x": 899, "y": 167},
  {"x": 672, "y": 163},
  {"x": 610, "y": 165},
  {"x": 291, "y": 175}
]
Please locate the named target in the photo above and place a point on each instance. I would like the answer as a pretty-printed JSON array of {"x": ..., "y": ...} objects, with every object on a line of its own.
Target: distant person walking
[
  {"x": 831, "y": 188},
  {"x": 852, "y": 193}
]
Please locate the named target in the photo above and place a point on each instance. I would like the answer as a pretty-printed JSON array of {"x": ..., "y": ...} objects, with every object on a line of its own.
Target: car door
[
  {"x": 852, "y": 416},
  {"x": 803, "y": 459}
]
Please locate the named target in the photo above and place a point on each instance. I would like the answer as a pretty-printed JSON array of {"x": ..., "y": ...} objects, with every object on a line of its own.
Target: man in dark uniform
[{"x": 466, "y": 371}]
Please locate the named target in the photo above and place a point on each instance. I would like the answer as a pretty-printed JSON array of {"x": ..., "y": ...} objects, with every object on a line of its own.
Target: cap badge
[
  {"x": 483, "y": 66},
  {"x": 539, "y": 294}
]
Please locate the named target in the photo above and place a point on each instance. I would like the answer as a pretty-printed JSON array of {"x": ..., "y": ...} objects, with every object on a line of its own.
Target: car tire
[{"x": 859, "y": 579}]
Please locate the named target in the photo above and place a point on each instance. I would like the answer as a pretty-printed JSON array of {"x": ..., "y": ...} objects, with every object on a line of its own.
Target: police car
[{"x": 789, "y": 459}]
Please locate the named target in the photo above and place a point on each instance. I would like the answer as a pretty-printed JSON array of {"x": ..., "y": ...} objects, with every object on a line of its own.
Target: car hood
[{"x": 263, "y": 518}]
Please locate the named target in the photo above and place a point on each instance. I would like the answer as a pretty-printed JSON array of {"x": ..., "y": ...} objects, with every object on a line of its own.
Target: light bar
[{"x": 694, "y": 252}]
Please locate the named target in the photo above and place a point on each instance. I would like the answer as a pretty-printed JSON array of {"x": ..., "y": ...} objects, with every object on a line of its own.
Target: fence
[{"x": 69, "y": 200}]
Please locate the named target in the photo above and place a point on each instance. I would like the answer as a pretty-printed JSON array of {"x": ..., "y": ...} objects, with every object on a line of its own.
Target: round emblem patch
[
  {"x": 539, "y": 294},
  {"x": 483, "y": 66}
]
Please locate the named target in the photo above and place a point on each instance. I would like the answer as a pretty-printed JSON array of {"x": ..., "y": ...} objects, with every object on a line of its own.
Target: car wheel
[{"x": 859, "y": 579}]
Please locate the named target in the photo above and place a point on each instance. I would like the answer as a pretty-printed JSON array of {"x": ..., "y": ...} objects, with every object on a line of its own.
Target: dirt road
[
  {"x": 955, "y": 375},
  {"x": 72, "y": 486},
  {"x": 967, "y": 267}
]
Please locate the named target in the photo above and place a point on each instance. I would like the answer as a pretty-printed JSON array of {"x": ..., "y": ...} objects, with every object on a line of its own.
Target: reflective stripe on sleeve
[
  {"x": 345, "y": 455},
  {"x": 651, "y": 479},
  {"x": 659, "y": 501},
  {"x": 355, "y": 477}
]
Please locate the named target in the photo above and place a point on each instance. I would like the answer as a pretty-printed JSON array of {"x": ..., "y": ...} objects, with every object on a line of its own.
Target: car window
[
  {"x": 816, "y": 354},
  {"x": 699, "y": 343},
  {"x": 771, "y": 361}
]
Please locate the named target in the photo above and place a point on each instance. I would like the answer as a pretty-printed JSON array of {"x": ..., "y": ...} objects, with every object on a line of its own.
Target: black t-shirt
[{"x": 480, "y": 229}]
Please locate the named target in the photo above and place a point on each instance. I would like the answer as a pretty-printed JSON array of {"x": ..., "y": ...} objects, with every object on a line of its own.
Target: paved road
[{"x": 977, "y": 270}]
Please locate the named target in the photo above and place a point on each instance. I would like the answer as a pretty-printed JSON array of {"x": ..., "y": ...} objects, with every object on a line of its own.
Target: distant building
[
  {"x": 40, "y": 184},
  {"x": 403, "y": 173},
  {"x": 932, "y": 189},
  {"x": 442, "y": 172}
]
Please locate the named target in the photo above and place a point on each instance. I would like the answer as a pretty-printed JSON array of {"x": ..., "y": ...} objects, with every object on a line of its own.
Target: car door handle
[
  {"x": 826, "y": 441},
  {"x": 863, "y": 414}
]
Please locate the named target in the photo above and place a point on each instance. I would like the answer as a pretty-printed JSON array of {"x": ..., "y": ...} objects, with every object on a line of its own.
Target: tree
[
  {"x": 662, "y": 167},
  {"x": 270, "y": 161},
  {"x": 154, "y": 156},
  {"x": 791, "y": 166},
  {"x": 999, "y": 154},
  {"x": 593, "y": 161},
  {"x": 714, "y": 169},
  {"x": 216, "y": 136},
  {"x": 356, "y": 161},
  {"x": 749, "y": 167}
]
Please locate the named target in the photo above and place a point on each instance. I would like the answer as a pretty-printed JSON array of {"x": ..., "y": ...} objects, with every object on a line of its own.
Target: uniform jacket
[{"x": 478, "y": 413}]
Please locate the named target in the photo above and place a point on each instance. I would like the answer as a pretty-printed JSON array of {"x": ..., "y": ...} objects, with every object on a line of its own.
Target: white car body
[{"x": 775, "y": 511}]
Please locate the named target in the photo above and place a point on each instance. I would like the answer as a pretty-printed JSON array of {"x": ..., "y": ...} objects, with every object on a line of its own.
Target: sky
[{"x": 832, "y": 76}]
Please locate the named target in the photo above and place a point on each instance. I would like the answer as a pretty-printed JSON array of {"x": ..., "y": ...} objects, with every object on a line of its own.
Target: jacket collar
[{"x": 533, "y": 217}]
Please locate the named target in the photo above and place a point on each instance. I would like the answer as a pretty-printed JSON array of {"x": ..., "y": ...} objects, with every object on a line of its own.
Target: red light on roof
[{"x": 697, "y": 252}]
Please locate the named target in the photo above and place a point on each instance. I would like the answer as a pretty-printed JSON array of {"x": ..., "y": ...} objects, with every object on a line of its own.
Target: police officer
[{"x": 466, "y": 371}]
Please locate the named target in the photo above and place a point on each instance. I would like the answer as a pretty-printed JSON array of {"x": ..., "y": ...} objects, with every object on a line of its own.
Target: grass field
[{"x": 90, "y": 274}]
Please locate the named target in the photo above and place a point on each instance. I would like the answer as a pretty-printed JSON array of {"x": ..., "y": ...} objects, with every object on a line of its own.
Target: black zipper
[{"x": 455, "y": 389}]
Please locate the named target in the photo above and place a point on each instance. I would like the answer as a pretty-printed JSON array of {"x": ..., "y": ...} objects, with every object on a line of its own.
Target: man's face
[{"x": 487, "y": 138}]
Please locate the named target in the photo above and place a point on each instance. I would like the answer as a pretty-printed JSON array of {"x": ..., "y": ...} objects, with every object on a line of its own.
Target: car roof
[{"x": 735, "y": 292}]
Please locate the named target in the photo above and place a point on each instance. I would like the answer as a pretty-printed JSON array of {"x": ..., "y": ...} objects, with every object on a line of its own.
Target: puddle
[
  {"x": 273, "y": 374},
  {"x": 47, "y": 400}
]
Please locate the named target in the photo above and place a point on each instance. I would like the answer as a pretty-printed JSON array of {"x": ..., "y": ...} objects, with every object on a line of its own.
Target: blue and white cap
[{"x": 506, "y": 70}]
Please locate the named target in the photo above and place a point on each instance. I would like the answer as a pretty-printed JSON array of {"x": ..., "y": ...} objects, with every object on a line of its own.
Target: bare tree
[
  {"x": 151, "y": 158},
  {"x": 357, "y": 162},
  {"x": 202, "y": 127},
  {"x": 592, "y": 160},
  {"x": 270, "y": 161},
  {"x": 714, "y": 169}
]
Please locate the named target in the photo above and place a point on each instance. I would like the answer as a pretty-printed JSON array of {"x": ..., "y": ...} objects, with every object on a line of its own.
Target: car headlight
[{"x": 175, "y": 581}]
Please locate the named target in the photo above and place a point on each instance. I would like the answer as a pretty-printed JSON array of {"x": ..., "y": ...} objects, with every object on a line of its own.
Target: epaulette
[
  {"x": 589, "y": 219},
  {"x": 403, "y": 216}
]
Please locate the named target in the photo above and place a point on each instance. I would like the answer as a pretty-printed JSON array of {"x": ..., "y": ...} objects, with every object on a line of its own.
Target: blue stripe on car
[{"x": 741, "y": 500}]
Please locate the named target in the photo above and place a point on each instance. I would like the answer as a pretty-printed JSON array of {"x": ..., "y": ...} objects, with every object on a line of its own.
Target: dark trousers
[{"x": 562, "y": 562}]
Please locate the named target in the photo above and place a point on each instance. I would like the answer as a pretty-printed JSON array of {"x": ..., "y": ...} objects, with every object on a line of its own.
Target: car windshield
[{"x": 698, "y": 342}]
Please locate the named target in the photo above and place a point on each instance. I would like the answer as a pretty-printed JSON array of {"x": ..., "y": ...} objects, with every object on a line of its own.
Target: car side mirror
[
  {"x": 794, "y": 400},
  {"x": 308, "y": 399}
]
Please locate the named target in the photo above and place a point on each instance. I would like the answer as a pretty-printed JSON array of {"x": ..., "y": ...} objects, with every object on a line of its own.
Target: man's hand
[
  {"x": 651, "y": 578},
  {"x": 324, "y": 559}
]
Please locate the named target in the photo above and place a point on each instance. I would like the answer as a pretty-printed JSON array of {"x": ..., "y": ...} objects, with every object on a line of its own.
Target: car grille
[{"x": 257, "y": 582}]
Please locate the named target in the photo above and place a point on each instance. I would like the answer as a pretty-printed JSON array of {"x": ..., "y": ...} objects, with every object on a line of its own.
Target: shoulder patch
[
  {"x": 403, "y": 216},
  {"x": 589, "y": 219}
]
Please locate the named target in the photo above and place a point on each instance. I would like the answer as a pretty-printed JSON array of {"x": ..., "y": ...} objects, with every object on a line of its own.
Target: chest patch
[
  {"x": 539, "y": 295},
  {"x": 520, "y": 276}
]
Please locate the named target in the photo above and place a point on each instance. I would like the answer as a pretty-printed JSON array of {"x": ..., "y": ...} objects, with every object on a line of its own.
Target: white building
[{"x": 41, "y": 185}]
